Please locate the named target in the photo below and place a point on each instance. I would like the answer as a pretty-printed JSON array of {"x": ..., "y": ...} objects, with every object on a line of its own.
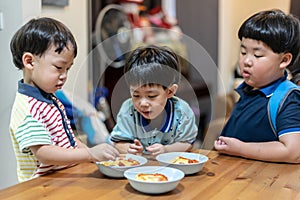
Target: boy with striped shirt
[{"x": 44, "y": 49}]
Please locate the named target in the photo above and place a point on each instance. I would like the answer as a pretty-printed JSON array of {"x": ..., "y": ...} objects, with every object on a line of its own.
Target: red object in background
[
  {"x": 158, "y": 17},
  {"x": 131, "y": 1}
]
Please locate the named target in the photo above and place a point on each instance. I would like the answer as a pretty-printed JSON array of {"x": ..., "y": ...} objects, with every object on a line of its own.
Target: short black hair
[
  {"x": 37, "y": 35},
  {"x": 276, "y": 29},
  {"x": 152, "y": 64}
]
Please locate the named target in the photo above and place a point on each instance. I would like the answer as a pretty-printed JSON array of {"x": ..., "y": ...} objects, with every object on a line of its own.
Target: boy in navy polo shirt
[{"x": 270, "y": 42}]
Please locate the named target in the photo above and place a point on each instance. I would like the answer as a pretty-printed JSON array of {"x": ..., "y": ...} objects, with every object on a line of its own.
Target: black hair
[
  {"x": 152, "y": 65},
  {"x": 37, "y": 35},
  {"x": 276, "y": 29}
]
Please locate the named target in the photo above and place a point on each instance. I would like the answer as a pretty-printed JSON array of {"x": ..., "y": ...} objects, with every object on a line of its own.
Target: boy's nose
[
  {"x": 248, "y": 61},
  {"x": 144, "y": 102},
  {"x": 63, "y": 75}
]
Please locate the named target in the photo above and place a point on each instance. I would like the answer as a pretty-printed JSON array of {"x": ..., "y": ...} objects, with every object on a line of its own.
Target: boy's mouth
[
  {"x": 146, "y": 113},
  {"x": 246, "y": 74},
  {"x": 59, "y": 86}
]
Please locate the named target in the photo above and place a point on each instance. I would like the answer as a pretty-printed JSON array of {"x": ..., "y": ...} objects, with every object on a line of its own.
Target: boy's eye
[
  {"x": 258, "y": 56},
  {"x": 57, "y": 67},
  {"x": 135, "y": 96},
  {"x": 152, "y": 96}
]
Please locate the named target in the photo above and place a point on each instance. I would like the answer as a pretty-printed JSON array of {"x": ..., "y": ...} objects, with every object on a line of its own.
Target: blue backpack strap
[{"x": 277, "y": 99}]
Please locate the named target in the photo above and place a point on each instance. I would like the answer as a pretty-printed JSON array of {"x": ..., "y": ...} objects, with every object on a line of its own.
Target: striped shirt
[{"x": 37, "y": 118}]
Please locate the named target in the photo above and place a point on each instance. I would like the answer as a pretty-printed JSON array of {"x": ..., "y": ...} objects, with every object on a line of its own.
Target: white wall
[
  {"x": 14, "y": 13},
  {"x": 232, "y": 13}
]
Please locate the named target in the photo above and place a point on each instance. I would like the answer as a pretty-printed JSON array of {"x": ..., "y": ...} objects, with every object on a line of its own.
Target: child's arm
[
  {"x": 54, "y": 155},
  {"x": 284, "y": 150},
  {"x": 80, "y": 144},
  {"x": 156, "y": 149}
]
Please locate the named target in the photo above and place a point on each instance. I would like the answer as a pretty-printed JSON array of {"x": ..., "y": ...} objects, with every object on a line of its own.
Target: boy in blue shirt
[
  {"x": 153, "y": 120},
  {"x": 270, "y": 42}
]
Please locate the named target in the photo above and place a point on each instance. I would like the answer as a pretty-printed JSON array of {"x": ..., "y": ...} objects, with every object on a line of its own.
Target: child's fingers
[
  {"x": 137, "y": 142},
  {"x": 136, "y": 146},
  {"x": 132, "y": 151}
]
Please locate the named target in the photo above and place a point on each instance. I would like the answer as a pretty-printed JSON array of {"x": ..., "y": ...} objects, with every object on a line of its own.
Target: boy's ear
[
  {"x": 172, "y": 90},
  {"x": 286, "y": 60},
  {"x": 27, "y": 60}
]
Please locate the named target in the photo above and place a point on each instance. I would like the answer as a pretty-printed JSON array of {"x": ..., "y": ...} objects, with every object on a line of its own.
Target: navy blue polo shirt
[{"x": 249, "y": 121}]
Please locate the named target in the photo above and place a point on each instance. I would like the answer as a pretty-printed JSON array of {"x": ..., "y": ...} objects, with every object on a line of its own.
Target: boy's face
[
  {"x": 258, "y": 64},
  {"x": 49, "y": 72},
  {"x": 150, "y": 101}
]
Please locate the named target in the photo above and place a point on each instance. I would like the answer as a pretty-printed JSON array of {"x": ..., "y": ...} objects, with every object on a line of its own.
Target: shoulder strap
[{"x": 277, "y": 99}]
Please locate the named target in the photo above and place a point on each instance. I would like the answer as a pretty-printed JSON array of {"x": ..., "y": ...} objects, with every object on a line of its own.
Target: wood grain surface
[{"x": 222, "y": 177}]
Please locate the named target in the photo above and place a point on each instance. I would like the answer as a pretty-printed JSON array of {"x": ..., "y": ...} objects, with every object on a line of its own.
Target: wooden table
[{"x": 223, "y": 177}]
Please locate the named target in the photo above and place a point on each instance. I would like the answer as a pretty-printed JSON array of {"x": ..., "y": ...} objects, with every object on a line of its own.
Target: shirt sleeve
[
  {"x": 187, "y": 129},
  {"x": 30, "y": 133},
  {"x": 288, "y": 118},
  {"x": 124, "y": 128}
]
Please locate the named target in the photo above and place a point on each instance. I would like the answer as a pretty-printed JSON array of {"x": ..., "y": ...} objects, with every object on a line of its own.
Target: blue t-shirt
[
  {"x": 179, "y": 125},
  {"x": 249, "y": 121}
]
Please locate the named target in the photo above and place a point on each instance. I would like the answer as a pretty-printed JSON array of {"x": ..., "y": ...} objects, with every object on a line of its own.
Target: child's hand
[
  {"x": 103, "y": 152},
  {"x": 228, "y": 145},
  {"x": 156, "y": 149},
  {"x": 136, "y": 147},
  {"x": 220, "y": 142}
]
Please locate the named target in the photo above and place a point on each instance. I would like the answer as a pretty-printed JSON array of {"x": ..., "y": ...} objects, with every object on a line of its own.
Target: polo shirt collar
[
  {"x": 169, "y": 108},
  {"x": 34, "y": 92},
  {"x": 267, "y": 90}
]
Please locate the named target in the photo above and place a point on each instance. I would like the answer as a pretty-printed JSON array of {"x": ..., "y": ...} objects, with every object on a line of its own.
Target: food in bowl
[
  {"x": 183, "y": 160},
  {"x": 156, "y": 177},
  {"x": 116, "y": 169},
  {"x": 154, "y": 187},
  {"x": 121, "y": 161},
  {"x": 167, "y": 159}
]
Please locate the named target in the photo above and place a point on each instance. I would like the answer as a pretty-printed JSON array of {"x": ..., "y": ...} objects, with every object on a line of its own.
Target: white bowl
[
  {"x": 166, "y": 159},
  {"x": 118, "y": 171},
  {"x": 174, "y": 176}
]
